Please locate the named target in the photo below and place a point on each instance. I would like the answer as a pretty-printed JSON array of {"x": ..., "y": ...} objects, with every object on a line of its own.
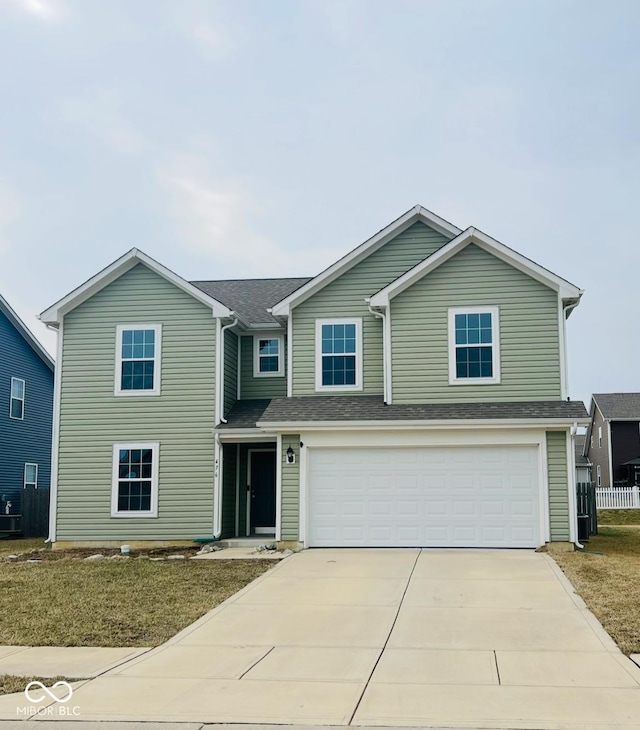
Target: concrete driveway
[{"x": 464, "y": 638}]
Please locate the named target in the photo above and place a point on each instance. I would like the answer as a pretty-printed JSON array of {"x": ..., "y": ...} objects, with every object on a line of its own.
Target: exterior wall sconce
[{"x": 291, "y": 457}]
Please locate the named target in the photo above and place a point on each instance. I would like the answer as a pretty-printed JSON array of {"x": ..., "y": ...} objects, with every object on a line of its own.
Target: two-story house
[
  {"x": 26, "y": 412},
  {"x": 412, "y": 394},
  {"x": 612, "y": 444}
]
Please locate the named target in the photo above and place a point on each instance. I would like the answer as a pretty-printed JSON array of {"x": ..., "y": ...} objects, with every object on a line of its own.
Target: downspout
[
  {"x": 383, "y": 317},
  {"x": 220, "y": 379},
  {"x": 55, "y": 432},
  {"x": 572, "y": 467},
  {"x": 217, "y": 498}
]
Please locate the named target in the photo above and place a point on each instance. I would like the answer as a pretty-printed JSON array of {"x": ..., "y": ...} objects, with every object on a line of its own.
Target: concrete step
[{"x": 246, "y": 542}]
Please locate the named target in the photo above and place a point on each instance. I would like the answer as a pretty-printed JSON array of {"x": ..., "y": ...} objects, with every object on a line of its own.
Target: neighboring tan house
[
  {"x": 613, "y": 439},
  {"x": 412, "y": 394},
  {"x": 583, "y": 465},
  {"x": 26, "y": 413}
]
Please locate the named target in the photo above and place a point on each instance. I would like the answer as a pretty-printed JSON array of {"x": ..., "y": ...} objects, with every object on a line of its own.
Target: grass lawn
[
  {"x": 619, "y": 516},
  {"x": 9, "y": 683},
  {"x": 609, "y": 582},
  {"x": 122, "y": 602}
]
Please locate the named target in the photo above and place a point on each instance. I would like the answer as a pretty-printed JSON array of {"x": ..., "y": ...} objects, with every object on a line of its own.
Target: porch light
[{"x": 291, "y": 457}]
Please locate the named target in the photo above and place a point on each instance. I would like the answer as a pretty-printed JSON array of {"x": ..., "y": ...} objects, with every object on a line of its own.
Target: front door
[{"x": 262, "y": 491}]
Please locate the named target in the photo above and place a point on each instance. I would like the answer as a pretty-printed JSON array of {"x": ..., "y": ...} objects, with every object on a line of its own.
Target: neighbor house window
[
  {"x": 599, "y": 475},
  {"x": 16, "y": 404},
  {"x": 31, "y": 476},
  {"x": 474, "y": 351},
  {"x": 135, "y": 480},
  {"x": 599, "y": 437},
  {"x": 138, "y": 359},
  {"x": 339, "y": 354},
  {"x": 268, "y": 355}
]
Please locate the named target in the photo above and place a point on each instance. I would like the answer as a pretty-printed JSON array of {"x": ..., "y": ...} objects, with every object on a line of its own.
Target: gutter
[{"x": 293, "y": 426}]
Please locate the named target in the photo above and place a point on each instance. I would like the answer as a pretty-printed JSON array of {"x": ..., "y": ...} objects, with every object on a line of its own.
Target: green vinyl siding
[
  {"x": 558, "y": 485},
  {"x": 251, "y": 387},
  {"x": 290, "y": 514},
  {"x": 229, "y": 467},
  {"x": 529, "y": 338},
  {"x": 180, "y": 419},
  {"x": 345, "y": 297},
  {"x": 230, "y": 370}
]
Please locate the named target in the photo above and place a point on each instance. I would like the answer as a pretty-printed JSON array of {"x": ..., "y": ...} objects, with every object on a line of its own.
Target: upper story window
[
  {"x": 268, "y": 355},
  {"x": 474, "y": 345},
  {"x": 599, "y": 475},
  {"x": 339, "y": 354},
  {"x": 599, "y": 437},
  {"x": 138, "y": 359},
  {"x": 16, "y": 403},
  {"x": 134, "y": 491},
  {"x": 31, "y": 476}
]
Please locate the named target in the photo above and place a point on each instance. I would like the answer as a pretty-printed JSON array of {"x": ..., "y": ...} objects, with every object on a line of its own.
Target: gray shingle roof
[
  {"x": 618, "y": 405},
  {"x": 251, "y": 298},
  {"x": 581, "y": 460},
  {"x": 372, "y": 408}
]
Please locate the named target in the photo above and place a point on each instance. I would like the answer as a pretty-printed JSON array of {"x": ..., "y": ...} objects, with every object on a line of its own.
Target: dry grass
[
  {"x": 9, "y": 683},
  {"x": 619, "y": 516},
  {"x": 21, "y": 545},
  {"x": 609, "y": 582},
  {"x": 120, "y": 602}
]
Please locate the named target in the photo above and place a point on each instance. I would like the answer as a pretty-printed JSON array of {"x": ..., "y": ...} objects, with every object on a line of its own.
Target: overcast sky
[{"x": 268, "y": 138}]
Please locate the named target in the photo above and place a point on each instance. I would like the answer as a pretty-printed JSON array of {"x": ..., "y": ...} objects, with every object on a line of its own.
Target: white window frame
[
  {"x": 21, "y": 400},
  {"x": 599, "y": 475},
  {"x": 279, "y": 373},
  {"x": 320, "y": 388},
  {"x": 495, "y": 345},
  {"x": 155, "y": 451},
  {"x": 27, "y": 484},
  {"x": 599, "y": 437},
  {"x": 157, "y": 328}
]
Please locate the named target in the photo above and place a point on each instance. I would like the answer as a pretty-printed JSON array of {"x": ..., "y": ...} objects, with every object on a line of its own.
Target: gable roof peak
[{"x": 26, "y": 333}]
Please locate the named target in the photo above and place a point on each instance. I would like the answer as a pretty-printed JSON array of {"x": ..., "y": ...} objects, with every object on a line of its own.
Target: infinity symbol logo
[{"x": 49, "y": 691}]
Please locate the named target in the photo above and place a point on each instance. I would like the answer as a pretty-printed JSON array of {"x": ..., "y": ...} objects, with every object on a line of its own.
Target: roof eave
[{"x": 454, "y": 423}]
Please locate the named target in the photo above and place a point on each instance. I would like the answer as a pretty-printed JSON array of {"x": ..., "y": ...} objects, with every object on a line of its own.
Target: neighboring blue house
[{"x": 26, "y": 411}]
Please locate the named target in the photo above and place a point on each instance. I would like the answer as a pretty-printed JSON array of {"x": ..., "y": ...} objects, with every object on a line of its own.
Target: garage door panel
[{"x": 452, "y": 497}]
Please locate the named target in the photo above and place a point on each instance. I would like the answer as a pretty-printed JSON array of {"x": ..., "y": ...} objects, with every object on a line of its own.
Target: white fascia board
[
  {"x": 112, "y": 272},
  {"x": 288, "y": 427},
  {"x": 565, "y": 289},
  {"x": 417, "y": 213},
  {"x": 26, "y": 333},
  {"x": 245, "y": 434}
]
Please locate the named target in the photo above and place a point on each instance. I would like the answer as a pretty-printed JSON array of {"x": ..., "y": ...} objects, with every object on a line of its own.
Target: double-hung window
[
  {"x": 138, "y": 348},
  {"x": 599, "y": 475},
  {"x": 16, "y": 403},
  {"x": 599, "y": 437},
  {"x": 474, "y": 345},
  {"x": 30, "y": 476},
  {"x": 135, "y": 480},
  {"x": 339, "y": 354},
  {"x": 268, "y": 355}
]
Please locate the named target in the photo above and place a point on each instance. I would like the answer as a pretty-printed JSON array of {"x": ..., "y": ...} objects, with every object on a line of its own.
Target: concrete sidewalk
[
  {"x": 467, "y": 639},
  {"x": 51, "y": 661}
]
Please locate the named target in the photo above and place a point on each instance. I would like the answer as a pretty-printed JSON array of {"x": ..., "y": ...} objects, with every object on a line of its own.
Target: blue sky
[{"x": 239, "y": 139}]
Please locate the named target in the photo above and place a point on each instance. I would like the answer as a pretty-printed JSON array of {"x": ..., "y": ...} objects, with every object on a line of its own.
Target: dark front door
[{"x": 262, "y": 490}]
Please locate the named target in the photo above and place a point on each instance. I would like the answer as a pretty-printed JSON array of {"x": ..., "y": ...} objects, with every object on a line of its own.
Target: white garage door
[{"x": 424, "y": 497}]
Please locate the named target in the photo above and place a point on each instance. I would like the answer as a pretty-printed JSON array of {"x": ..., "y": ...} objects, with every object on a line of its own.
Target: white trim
[
  {"x": 231, "y": 435},
  {"x": 482, "y": 240},
  {"x": 423, "y": 438},
  {"x": 417, "y": 213},
  {"x": 21, "y": 400},
  {"x": 388, "y": 358},
  {"x": 290, "y": 356},
  {"x": 410, "y": 425},
  {"x": 53, "y": 314},
  {"x": 357, "y": 321},
  {"x": 218, "y": 405},
  {"x": 257, "y": 336},
  {"x": 155, "y": 458},
  {"x": 26, "y": 333},
  {"x": 562, "y": 347},
  {"x": 268, "y": 528},
  {"x": 279, "y": 488},
  {"x": 26, "y": 484},
  {"x": 600, "y": 437},
  {"x": 55, "y": 434},
  {"x": 610, "y": 454},
  {"x": 571, "y": 486},
  {"x": 157, "y": 360},
  {"x": 495, "y": 345}
]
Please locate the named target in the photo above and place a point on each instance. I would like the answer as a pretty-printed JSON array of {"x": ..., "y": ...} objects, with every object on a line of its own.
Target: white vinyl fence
[{"x": 618, "y": 498}]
